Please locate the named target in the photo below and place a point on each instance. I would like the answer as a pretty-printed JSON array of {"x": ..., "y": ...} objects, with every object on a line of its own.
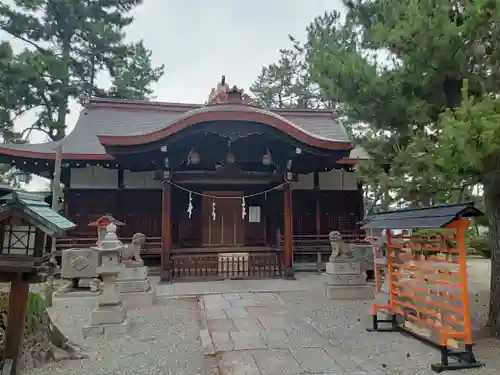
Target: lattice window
[{"x": 18, "y": 239}]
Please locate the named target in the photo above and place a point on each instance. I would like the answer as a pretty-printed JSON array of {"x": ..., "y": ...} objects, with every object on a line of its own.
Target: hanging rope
[{"x": 213, "y": 197}]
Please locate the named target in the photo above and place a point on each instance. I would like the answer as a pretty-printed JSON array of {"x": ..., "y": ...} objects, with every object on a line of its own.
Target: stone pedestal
[
  {"x": 110, "y": 315},
  {"x": 134, "y": 286},
  {"x": 346, "y": 280}
]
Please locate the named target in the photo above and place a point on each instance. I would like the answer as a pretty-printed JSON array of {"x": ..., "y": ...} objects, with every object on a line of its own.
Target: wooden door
[{"x": 228, "y": 227}]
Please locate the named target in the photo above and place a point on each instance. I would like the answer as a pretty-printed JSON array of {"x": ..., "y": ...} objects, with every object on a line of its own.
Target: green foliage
[
  {"x": 478, "y": 244},
  {"x": 69, "y": 43},
  {"x": 418, "y": 81},
  {"x": 432, "y": 237},
  {"x": 12, "y": 101},
  {"x": 35, "y": 311},
  {"x": 287, "y": 83},
  {"x": 134, "y": 75}
]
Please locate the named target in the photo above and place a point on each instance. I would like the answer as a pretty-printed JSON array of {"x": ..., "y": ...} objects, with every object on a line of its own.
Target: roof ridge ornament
[
  {"x": 223, "y": 94},
  {"x": 84, "y": 100}
]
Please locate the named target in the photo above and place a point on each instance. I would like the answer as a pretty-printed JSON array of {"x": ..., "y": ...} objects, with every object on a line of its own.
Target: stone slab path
[
  {"x": 184, "y": 289},
  {"x": 257, "y": 334}
]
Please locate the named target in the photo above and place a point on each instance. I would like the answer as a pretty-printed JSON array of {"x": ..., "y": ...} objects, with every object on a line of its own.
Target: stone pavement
[
  {"x": 181, "y": 290},
  {"x": 299, "y": 331},
  {"x": 255, "y": 333}
]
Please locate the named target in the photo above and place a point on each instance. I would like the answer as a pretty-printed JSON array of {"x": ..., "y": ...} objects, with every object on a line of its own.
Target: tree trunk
[
  {"x": 386, "y": 200},
  {"x": 62, "y": 110},
  {"x": 492, "y": 205}
]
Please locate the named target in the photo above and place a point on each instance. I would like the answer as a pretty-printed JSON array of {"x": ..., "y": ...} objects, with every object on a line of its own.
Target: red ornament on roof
[{"x": 104, "y": 221}]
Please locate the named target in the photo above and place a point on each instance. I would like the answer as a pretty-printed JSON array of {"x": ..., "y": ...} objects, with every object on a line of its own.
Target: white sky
[{"x": 200, "y": 40}]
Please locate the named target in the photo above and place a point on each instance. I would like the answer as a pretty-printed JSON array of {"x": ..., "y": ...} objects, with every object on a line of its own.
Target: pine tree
[
  {"x": 434, "y": 96},
  {"x": 287, "y": 82},
  {"x": 70, "y": 42},
  {"x": 15, "y": 100},
  {"x": 134, "y": 75}
]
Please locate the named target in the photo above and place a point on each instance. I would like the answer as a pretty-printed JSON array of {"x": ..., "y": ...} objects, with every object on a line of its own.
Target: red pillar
[
  {"x": 288, "y": 231},
  {"x": 166, "y": 234}
]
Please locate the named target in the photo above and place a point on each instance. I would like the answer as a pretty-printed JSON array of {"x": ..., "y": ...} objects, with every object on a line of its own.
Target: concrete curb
[
  {"x": 206, "y": 340},
  {"x": 191, "y": 295}
]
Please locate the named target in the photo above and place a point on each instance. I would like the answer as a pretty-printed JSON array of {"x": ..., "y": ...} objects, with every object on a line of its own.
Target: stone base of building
[
  {"x": 346, "y": 280},
  {"x": 349, "y": 292},
  {"x": 345, "y": 272},
  {"x": 136, "y": 300},
  {"x": 109, "y": 330},
  {"x": 133, "y": 271},
  {"x": 107, "y": 320},
  {"x": 135, "y": 288},
  {"x": 75, "y": 293}
]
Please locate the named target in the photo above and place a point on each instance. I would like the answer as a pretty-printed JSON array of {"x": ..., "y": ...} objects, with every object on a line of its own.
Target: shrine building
[{"x": 199, "y": 181}]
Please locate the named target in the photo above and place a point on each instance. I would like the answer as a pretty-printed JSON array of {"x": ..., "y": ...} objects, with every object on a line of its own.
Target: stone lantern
[{"x": 110, "y": 316}]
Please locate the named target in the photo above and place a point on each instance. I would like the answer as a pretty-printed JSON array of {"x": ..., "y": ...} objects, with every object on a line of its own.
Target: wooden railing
[
  {"x": 308, "y": 249},
  {"x": 218, "y": 264}
]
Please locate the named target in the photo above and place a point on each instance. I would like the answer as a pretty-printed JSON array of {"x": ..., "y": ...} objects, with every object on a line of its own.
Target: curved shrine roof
[{"x": 115, "y": 121}]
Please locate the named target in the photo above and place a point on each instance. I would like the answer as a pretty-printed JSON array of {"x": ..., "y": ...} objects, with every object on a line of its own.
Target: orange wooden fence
[{"x": 427, "y": 280}]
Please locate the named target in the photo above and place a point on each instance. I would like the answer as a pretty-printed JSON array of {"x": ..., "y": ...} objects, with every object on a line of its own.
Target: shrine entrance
[{"x": 228, "y": 227}]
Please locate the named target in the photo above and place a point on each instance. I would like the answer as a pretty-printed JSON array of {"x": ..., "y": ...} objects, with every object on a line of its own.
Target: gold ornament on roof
[{"x": 223, "y": 94}]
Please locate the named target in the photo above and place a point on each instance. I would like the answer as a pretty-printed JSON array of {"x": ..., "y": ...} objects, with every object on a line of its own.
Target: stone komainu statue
[
  {"x": 132, "y": 251},
  {"x": 339, "y": 248}
]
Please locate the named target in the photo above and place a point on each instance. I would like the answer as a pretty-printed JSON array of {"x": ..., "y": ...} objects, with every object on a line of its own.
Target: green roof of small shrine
[{"x": 35, "y": 207}]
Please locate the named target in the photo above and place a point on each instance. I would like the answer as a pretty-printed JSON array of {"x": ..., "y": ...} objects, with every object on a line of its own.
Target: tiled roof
[
  {"x": 125, "y": 118},
  {"x": 35, "y": 207},
  {"x": 425, "y": 217}
]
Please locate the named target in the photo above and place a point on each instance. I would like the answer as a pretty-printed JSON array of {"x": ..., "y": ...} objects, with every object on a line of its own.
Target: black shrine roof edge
[{"x": 423, "y": 217}]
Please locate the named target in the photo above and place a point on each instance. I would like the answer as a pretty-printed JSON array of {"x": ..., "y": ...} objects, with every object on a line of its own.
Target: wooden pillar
[
  {"x": 18, "y": 302},
  {"x": 317, "y": 212},
  {"x": 166, "y": 234},
  {"x": 318, "y": 215},
  {"x": 318, "y": 204},
  {"x": 66, "y": 180},
  {"x": 288, "y": 231},
  {"x": 361, "y": 209},
  {"x": 120, "y": 201}
]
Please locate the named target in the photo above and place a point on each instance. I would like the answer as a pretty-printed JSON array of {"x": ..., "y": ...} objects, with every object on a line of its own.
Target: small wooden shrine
[
  {"x": 427, "y": 279},
  {"x": 25, "y": 222}
]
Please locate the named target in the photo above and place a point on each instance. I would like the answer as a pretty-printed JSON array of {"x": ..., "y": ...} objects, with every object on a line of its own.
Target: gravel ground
[
  {"x": 344, "y": 323},
  {"x": 163, "y": 339}
]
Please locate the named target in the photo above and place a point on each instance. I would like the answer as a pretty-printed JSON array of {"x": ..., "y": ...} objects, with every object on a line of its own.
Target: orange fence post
[{"x": 463, "y": 224}]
